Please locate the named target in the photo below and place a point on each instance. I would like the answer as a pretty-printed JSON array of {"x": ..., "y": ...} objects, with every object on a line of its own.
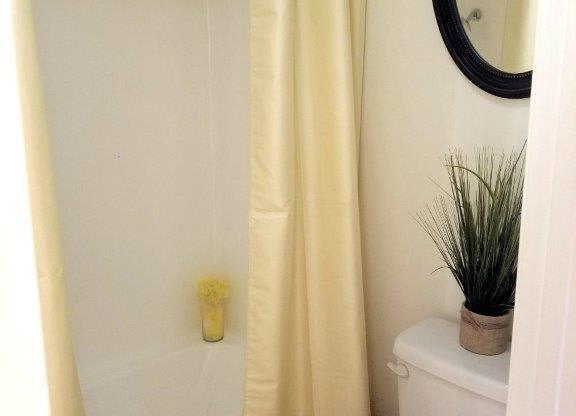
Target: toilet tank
[{"x": 437, "y": 377}]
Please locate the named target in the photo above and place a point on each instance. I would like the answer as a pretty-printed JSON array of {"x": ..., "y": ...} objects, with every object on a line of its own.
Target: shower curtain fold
[
  {"x": 64, "y": 392},
  {"x": 306, "y": 348}
]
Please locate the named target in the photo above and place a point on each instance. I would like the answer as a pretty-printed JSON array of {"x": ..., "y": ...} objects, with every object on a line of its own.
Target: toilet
[{"x": 437, "y": 377}]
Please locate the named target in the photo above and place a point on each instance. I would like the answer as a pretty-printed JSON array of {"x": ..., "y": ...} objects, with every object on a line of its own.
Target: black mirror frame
[{"x": 476, "y": 69}]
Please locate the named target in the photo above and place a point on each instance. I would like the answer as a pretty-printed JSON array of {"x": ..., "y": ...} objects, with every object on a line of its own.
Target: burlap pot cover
[{"x": 486, "y": 335}]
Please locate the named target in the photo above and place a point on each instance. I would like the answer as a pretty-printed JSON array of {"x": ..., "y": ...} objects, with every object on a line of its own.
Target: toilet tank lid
[{"x": 432, "y": 345}]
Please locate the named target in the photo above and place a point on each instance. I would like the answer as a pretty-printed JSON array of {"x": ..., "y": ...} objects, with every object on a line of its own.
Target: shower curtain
[
  {"x": 306, "y": 348},
  {"x": 64, "y": 392}
]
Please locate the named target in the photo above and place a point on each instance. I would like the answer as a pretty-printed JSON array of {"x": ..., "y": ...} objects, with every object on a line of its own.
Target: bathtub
[{"x": 203, "y": 380}]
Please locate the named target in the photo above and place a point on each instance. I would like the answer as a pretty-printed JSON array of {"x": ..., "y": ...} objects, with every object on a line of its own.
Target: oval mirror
[{"x": 491, "y": 41}]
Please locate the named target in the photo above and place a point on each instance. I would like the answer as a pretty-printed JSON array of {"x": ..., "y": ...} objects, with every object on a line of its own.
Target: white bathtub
[{"x": 204, "y": 380}]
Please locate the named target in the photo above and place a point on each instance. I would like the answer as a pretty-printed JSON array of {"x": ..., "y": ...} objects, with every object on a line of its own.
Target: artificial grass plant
[{"x": 476, "y": 227}]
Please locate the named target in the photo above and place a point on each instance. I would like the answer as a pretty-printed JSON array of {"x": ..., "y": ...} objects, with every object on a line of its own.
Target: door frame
[{"x": 543, "y": 366}]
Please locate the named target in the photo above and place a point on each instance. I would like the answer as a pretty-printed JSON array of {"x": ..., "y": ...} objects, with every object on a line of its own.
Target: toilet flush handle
[{"x": 400, "y": 369}]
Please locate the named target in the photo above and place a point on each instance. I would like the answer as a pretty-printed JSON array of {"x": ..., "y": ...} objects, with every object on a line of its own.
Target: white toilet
[{"x": 437, "y": 377}]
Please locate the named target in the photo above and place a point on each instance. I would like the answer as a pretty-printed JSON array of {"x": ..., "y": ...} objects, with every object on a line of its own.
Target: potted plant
[{"x": 476, "y": 227}]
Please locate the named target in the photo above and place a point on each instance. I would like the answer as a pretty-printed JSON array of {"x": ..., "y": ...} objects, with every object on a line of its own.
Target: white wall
[
  {"x": 147, "y": 104},
  {"x": 416, "y": 106}
]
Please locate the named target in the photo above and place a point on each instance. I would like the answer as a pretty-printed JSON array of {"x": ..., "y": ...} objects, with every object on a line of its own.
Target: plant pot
[{"x": 485, "y": 335}]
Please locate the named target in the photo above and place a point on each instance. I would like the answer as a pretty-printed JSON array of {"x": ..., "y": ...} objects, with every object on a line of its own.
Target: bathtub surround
[
  {"x": 148, "y": 105},
  {"x": 63, "y": 388},
  {"x": 306, "y": 351}
]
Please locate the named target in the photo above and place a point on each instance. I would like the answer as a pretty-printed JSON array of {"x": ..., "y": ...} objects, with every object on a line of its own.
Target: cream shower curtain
[
  {"x": 64, "y": 392},
  {"x": 306, "y": 349}
]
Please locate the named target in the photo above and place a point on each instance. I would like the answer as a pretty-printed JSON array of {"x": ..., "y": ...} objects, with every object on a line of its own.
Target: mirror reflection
[{"x": 501, "y": 31}]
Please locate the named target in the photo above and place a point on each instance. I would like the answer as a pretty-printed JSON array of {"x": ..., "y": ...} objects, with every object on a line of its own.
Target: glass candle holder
[{"x": 212, "y": 321}]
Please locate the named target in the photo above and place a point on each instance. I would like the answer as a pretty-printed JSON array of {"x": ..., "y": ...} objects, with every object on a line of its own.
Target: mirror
[
  {"x": 491, "y": 41},
  {"x": 501, "y": 31}
]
